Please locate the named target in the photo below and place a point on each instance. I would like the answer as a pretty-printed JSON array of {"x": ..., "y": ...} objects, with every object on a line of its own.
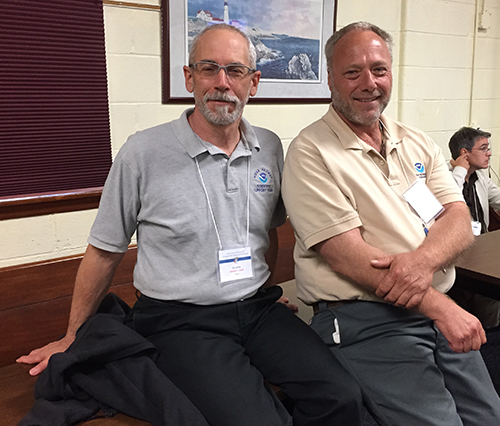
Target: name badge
[
  {"x": 423, "y": 201},
  {"x": 235, "y": 264},
  {"x": 476, "y": 228}
]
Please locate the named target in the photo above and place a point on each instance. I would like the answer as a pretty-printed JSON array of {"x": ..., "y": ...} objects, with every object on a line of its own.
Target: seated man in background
[
  {"x": 470, "y": 152},
  {"x": 203, "y": 193},
  {"x": 373, "y": 268}
]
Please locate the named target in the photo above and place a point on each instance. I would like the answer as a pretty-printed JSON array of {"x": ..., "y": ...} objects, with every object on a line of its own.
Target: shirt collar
[
  {"x": 195, "y": 146},
  {"x": 393, "y": 132}
]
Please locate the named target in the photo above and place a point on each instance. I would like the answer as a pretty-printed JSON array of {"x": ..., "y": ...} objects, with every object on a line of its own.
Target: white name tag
[
  {"x": 235, "y": 264},
  {"x": 476, "y": 228},
  {"x": 423, "y": 201}
]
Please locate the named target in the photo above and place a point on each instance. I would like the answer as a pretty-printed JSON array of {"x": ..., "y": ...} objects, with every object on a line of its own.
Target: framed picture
[{"x": 289, "y": 36}]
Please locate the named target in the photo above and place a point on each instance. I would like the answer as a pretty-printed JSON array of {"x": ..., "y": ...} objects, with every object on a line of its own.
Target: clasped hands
[
  {"x": 407, "y": 280},
  {"x": 408, "y": 284}
]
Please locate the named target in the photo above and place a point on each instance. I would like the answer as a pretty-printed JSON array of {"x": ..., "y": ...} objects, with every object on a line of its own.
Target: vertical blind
[{"x": 54, "y": 116}]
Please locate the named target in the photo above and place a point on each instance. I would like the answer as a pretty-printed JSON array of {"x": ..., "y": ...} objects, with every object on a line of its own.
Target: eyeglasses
[
  {"x": 211, "y": 69},
  {"x": 484, "y": 149}
]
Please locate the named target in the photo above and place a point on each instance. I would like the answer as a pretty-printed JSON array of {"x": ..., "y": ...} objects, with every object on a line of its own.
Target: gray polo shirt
[{"x": 154, "y": 187}]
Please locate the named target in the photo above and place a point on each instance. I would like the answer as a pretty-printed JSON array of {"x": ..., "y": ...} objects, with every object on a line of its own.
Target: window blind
[{"x": 54, "y": 116}]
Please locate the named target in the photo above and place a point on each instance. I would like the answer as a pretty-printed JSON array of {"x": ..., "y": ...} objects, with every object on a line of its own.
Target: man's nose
[
  {"x": 368, "y": 80},
  {"x": 221, "y": 79}
]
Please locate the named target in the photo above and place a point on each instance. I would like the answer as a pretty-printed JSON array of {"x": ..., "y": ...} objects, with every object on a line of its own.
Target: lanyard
[
  {"x": 210, "y": 205},
  {"x": 474, "y": 196}
]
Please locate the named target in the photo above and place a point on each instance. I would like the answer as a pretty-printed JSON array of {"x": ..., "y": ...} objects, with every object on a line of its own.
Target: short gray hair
[
  {"x": 252, "y": 54},
  {"x": 359, "y": 26}
]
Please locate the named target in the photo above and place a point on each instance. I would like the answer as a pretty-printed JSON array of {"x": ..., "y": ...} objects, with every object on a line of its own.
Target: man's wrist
[{"x": 435, "y": 305}]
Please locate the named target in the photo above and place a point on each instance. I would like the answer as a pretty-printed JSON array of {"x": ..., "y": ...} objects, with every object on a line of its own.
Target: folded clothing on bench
[{"x": 108, "y": 367}]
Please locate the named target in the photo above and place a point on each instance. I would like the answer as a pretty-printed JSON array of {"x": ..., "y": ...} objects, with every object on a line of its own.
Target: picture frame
[{"x": 290, "y": 45}]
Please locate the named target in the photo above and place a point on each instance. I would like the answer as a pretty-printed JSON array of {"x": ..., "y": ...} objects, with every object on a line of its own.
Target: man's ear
[
  {"x": 188, "y": 78},
  {"x": 463, "y": 151},
  {"x": 254, "y": 83},
  {"x": 330, "y": 80}
]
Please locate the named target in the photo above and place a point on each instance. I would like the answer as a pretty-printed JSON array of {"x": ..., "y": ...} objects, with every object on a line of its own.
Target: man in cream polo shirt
[{"x": 378, "y": 221}]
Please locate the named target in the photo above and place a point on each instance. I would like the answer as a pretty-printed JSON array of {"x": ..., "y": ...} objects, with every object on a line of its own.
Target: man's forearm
[
  {"x": 449, "y": 236},
  {"x": 92, "y": 282},
  {"x": 411, "y": 273},
  {"x": 91, "y": 285},
  {"x": 349, "y": 255}
]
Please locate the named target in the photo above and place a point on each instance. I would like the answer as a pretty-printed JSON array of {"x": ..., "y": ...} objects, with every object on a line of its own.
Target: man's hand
[
  {"x": 463, "y": 331},
  {"x": 286, "y": 301},
  {"x": 41, "y": 356},
  {"x": 462, "y": 161},
  {"x": 408, "y": 279}
]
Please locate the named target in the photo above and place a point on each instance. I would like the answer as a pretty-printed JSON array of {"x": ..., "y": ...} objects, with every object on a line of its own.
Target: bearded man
[{"x": 378, "y": 220}]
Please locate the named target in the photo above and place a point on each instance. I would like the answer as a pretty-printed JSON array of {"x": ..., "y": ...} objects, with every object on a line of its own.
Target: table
[{"x": 478, "y": 268}]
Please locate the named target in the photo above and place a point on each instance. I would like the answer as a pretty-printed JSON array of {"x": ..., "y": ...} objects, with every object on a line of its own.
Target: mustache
[{"x": 220, "y": 96}]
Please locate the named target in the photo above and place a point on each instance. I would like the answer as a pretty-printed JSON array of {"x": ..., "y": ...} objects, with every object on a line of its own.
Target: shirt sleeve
[
  {"x": 316, "y": 205},
  {"x": 116, "y": 219},
  {"x": 459, "y": 174}
]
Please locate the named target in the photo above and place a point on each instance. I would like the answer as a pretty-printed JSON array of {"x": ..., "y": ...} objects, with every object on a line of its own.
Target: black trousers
[{"x": 219, "y": 356}]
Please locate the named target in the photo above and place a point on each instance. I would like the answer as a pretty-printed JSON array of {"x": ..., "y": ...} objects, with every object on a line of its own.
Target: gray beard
[
  {"x": 352, "y": 115},
  {"x": 221, "y": 116}
]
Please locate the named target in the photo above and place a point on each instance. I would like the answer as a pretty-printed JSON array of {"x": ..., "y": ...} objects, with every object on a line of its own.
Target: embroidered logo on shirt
[
  {"x": 263, "y": 177},
  {"x": 419, "y": 167},
  {"x": 263, "y": 180}
]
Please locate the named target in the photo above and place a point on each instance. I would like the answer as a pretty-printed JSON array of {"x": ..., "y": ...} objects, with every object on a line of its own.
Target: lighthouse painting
[
  {"x": 286, "y": 33},
  {"x": 288, "y": 36}
]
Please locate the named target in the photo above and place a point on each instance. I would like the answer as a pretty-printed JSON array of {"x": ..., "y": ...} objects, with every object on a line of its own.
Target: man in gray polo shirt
[{"x": 203, "y": 194}]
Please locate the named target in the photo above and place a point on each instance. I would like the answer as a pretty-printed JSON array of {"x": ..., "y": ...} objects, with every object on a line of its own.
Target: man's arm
[
  {"x": 410, "y": 274},
  {"x": 91, "y": 285},
  {"x": 460, "y": 169},
  {"x": 351, "y": 256}
]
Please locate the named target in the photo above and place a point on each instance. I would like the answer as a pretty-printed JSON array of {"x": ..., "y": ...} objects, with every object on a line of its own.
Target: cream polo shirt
[{"x": 334, "y": 182}]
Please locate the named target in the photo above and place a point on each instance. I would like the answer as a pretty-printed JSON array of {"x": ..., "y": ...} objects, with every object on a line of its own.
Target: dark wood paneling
[
  {"x": 28, "y": 327},
  {"x": 48, "y": 280},
  {"x": 285, "y": 266},
  {"x": 43, "y": 204},
  {"x": 35, "y": 301}
]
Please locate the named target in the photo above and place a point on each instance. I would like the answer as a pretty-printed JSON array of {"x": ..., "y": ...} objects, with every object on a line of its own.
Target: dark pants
[
  {"x": 406, "y": 369},
  {"x": 220, "y": 355}
]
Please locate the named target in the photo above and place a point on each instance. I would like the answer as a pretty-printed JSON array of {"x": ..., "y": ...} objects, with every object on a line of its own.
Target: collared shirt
[
  {"x": 154, "y": 187},
  {"x": 334, "y": 182},
  {"x": 487, "y": 192}
]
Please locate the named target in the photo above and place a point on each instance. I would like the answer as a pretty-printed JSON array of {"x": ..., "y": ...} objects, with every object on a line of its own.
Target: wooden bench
[{"x": 34, "y": 306}]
